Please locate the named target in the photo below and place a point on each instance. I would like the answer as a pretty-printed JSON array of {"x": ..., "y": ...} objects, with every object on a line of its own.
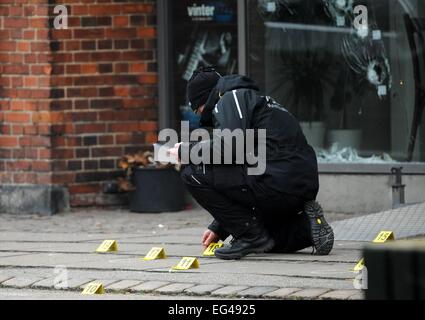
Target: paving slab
[
  {"x": 21, "y": 282},
  {"x": 174, "y": 288},
  {"x": 27, "y": 272},
  {"x": 161, "y": 239},
  {"x": 123, "y": 248},
  {"x": 105, "y": 282},
  {"x": 53, "y": 283},
  {"x": 77, "y": 283},
  {"x": 49, "y": 295},
  {"x": 38, "y": 253},
  {"x": 123, "y": 285},
  {"x": 149, "y": 286},
  {"x": 203, "y": 289},
  {"x": 172, "y": 250},
  {"x": 405, "y": 222},
  {"x": 63, "y": 237},
  {"x": 256, "y": 292},
  {"x": 337, "y": 255},
  {"x": 229, "y": 290},
  {"x": 298, "y": 269},
  {"x": 338, "y": 294},
  {"x": 108, "y": 261},
  {"x": 45, "y": 283},
  {"x": 4, "y": 278},
  {"x": 282, "y": 293},
  {"x": 357, "y": 296},
  {"x": 308, "y": 293},
  {"x": 201, "y": 278},
  {"x": 13, "y": 254},
  {"x": 195, "y": 231}
]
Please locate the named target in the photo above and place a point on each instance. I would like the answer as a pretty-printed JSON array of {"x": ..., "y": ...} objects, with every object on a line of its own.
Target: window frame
[{"x": 166, "y": 114}]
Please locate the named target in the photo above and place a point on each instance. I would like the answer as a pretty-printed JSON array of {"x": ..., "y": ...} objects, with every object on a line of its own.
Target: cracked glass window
[{"x": 351, "y": 71}]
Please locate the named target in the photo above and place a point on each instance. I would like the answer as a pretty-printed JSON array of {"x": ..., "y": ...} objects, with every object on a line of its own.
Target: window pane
[
  {"x": 350, "y": 71},
  {"x": 204, "y": 34}
]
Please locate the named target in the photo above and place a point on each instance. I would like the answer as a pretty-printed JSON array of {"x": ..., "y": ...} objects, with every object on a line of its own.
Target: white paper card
[
  {"x": 377, "y": 35},
  {"x": 161, "y": 154},
  {"x": 271, "y": 6}
]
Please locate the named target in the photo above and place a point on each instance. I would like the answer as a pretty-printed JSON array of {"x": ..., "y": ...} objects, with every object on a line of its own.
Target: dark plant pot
[{"x": 157, "y": 190}]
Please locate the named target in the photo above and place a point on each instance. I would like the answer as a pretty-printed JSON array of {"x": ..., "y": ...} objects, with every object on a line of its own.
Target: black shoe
[
  {"x": 239, "y": 248},
  {"x": 321, "y": 232}
]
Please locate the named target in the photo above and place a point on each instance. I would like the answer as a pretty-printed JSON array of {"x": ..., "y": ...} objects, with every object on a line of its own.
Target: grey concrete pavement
[
  {"x": 35, "y": 251},
  {"x": 31, "y": 294}
]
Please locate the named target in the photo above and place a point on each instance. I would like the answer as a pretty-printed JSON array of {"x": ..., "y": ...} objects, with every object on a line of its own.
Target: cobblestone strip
[
  {"x": 202, "y": 289},
  {"x": 282, "y": 293},
  {"x": 174, "y": 288},
  {"x": 21, "y": 282},
  {"x": 228, "y": 291},
  {"x": 105, "y": 282},
  {"x": 255, "y": 292},
  {"x": 311, "y": 293},
  {"x": 149, "y": 286},
  {"x": 4, "y": 278},
  {"x": 123, "y": 285},
  {"x": 338, "y": 295},
  {"x": 77, "y": 283},
  {"x": 167, "y": 288}
]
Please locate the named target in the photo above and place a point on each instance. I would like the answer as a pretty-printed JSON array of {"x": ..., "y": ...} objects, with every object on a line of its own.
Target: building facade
[{"x": 75, "y": 99}]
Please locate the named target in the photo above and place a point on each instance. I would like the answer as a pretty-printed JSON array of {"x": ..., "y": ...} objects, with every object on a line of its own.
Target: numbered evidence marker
[
  {"x": 187, "y": 263},
  {"x": 359, "y": 266},
  {"x": 155, "y": 253},
  {"x": 384, "y": 236},
  {"x": 211, "y": 249},
  {"x": 94, "y": 288},
  {"x": 107, "y": 246}
]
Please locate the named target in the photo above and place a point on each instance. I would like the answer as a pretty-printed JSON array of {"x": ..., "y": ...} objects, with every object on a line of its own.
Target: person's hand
[
  {"x": 174, "y": 152},
  {"x": 209, "y": 237}
]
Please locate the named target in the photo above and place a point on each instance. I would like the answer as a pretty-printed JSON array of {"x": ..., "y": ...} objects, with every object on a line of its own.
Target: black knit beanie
[{"x": 200, "y": 86}]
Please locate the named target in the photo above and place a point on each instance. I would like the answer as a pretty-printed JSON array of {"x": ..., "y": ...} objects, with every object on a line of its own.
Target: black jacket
[{"x": 291, "y": 163}]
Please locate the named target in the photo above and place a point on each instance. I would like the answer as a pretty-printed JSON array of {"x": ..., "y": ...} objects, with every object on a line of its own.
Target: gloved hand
[{"x": 209, "y": 237}]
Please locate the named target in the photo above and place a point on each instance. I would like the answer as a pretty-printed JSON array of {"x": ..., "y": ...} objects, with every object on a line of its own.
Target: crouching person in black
[{"x": 272, "y": 212}]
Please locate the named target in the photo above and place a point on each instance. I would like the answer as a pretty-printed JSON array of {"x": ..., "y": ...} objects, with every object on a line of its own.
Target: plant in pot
[
  {"x": 307, "y": 76},
  {"x": 300, "y": 71},
  {"x": 342, "y": 101},
  {"x": 152, "y": 186}
]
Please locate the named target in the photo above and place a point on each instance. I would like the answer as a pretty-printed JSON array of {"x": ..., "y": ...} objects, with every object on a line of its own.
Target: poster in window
[{"x": 204, "y": 34}]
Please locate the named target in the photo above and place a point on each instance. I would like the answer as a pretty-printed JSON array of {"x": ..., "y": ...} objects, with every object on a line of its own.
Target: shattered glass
[
  {"x": 339, "y": 10},
  {"x": 351, "y": 71},
  {"x": 367, "y": 57},
  {"x": 274, "y": 9},
  {"x": 350, "y": 155}
]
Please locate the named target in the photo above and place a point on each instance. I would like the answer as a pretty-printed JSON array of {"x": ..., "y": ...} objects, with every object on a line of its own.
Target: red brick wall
[
  {"x": 24, "y": 93},
  {"x": 74, "y": 101}
]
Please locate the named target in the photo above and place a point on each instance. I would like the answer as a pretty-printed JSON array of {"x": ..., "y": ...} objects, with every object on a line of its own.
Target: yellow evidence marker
[
  {"x": 108, "y": 246},
  {"x": 94, "y": 288},
  {"x": 384, "y": 236},
  {"x": 211, "y": 249},
  {"x": 155, "y": 253},
  {"x": 359, "y": 266},
  {"x": 187, "y": 263}
]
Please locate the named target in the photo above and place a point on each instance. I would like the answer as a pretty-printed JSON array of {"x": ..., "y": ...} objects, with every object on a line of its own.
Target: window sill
[{"x": 366, "y": 168}]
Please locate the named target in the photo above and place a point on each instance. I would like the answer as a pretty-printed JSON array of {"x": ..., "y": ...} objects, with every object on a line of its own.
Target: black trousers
[{"x": 234, "y": 209}]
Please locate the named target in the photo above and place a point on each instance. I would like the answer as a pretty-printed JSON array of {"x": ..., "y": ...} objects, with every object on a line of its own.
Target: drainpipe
[{"x": 398, "y": 188}]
